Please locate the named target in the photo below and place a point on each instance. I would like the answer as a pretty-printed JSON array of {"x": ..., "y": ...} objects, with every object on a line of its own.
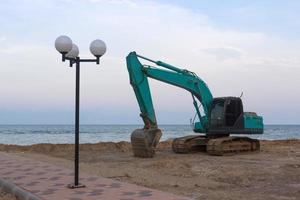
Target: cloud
[
  {"x": 2, "y": 38},
  {"x": 126, "y": 2},
  {"x": 224, "y": 52},
  {"x": 229, "y": 60}
]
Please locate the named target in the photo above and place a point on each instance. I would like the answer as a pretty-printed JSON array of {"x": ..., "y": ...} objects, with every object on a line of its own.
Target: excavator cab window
[
  {"x": 217, "y": 114},
  {"x": 233, "y": 111},
  {"x": 225, "y": 112}
]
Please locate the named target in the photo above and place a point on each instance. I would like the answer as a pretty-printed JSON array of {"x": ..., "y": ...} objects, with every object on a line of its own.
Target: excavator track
[
  {"x": 189, "y": 144},
  {"x": 144, "y": 142},
  {"x": 214, "y": 146},
  {"x": 227, "y": 145}
]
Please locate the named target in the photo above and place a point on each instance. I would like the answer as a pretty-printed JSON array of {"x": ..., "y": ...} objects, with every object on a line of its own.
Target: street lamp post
[{"x": 70, "y": 52}]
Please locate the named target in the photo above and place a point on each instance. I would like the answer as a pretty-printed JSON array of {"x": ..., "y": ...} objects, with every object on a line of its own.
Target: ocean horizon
[{"x": 27, "y": 134}]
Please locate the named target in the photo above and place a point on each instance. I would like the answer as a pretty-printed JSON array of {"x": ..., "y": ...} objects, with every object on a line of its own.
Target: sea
[{"x": 61, "y": 134}]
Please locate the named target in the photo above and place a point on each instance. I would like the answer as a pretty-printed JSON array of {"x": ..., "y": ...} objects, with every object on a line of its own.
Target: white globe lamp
[
  {"x": 98, "y": 48},
  {"x": 74, "y": 52},
  {"x": 63, "y": 44}
]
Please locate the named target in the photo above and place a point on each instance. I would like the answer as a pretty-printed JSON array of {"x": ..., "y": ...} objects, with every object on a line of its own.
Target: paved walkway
[{"x": 49, "y": 182}]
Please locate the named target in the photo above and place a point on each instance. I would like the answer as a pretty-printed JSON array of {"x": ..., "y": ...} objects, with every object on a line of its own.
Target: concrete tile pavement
[{"x": 49, "y": 182}]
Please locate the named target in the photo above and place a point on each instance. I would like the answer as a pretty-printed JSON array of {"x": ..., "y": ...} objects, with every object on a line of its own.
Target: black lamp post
[{"x": 70, "y": 52}]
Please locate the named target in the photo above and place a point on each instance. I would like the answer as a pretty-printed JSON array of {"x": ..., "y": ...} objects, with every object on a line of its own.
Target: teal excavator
[{"x": 218, "y": 118}]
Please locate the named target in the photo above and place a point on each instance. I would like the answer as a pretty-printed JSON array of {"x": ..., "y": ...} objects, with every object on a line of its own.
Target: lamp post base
[{"x": 73, "y": 186}]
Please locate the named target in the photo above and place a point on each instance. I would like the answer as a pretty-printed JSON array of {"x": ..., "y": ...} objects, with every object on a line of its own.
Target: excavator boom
[
  {"x": 185, "y": 79},
  {"x": 145, "y": 140}
]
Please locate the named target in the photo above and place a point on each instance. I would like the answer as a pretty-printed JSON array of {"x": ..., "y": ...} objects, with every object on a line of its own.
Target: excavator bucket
[{"x": 144, "y": 141}]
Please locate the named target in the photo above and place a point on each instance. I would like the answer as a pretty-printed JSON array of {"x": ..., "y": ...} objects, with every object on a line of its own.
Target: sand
[
  {"x": 6, "y": 196},
  {"x": 273, "y": 173}
]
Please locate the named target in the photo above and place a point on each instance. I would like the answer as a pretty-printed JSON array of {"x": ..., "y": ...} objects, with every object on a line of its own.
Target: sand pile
[
  {"x": 97, "y": 147},
  {"x": 50, "y": 148}
]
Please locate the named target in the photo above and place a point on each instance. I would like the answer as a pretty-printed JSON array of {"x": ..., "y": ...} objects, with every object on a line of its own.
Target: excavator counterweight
[{"x": 221, "y": 116}]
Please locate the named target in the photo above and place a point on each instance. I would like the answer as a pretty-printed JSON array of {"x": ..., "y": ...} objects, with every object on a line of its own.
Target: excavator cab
[{"x": 226, "y": 117}]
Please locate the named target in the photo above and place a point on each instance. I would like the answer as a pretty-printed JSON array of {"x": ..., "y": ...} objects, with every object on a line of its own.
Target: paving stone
[{"x": 50, "y": 182}]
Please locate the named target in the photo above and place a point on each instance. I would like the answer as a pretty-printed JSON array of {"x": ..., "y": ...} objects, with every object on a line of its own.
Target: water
[{"x": 33, "y": 134}]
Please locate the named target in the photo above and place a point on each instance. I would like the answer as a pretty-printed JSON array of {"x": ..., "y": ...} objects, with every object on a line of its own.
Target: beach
[
  {"x": 272, "y": 173},
  {"x": 6, "y": 196}
]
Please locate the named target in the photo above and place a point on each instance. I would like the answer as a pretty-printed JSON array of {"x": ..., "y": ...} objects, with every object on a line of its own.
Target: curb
[{"x": 17, "y": 191}]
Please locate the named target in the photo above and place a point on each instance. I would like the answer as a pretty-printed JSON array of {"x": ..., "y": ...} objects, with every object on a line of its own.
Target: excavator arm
[
  {"x": 184, "y": 79},
  {"x": 145, "y": 140}
]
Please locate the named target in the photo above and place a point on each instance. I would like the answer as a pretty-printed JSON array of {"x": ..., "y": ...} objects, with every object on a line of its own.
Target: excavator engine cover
[{"x": 144, "y": 141}]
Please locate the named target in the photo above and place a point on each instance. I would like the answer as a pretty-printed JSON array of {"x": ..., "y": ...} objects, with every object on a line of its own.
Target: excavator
[{"x": 218, "y": 118}]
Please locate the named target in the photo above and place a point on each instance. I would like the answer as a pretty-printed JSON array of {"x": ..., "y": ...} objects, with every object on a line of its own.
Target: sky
[{"x": 235, "y": 46}]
